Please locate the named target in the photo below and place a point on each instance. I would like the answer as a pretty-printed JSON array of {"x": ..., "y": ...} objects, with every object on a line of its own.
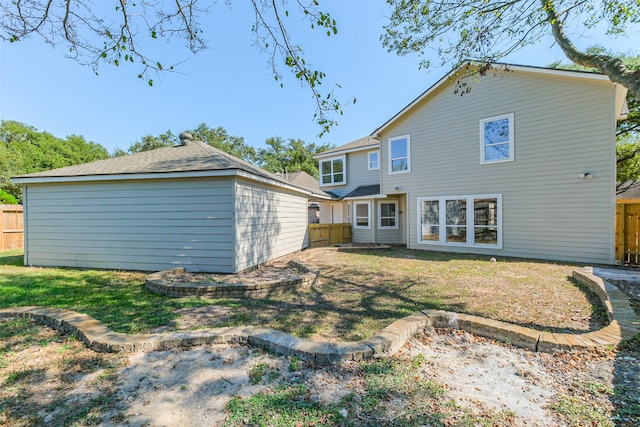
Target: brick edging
[
  {"x": 624, "y": 325},
  {"x": 155, "y": 283}
]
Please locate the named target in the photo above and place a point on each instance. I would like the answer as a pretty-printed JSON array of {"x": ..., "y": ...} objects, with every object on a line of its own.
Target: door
[{"x": 336, "y": 214}]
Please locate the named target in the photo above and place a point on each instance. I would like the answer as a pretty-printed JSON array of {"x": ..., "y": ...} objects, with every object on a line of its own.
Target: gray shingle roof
[
  {"x": 364, "y": 190},
  {"x": 196, "y": 156},
  {"x": 358, "y": 143},
  {"x": 304, "y": 180}
]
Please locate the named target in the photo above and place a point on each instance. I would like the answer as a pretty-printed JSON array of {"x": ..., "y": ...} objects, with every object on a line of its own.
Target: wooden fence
[
  {"x": 11, "y": 227},
  {"x": 328, "y": 234}
]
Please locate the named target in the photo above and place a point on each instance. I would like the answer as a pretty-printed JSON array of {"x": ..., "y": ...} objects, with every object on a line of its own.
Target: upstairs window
[
  {"x": 496, "y": 139},
  {"x": 374, "y": 160},
  {"x": 332, "y": 171},
  {"x": 399, "y": 155}
]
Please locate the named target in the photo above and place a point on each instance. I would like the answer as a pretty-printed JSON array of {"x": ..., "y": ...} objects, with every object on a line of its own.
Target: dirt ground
[{"x": 54, "y": 380}]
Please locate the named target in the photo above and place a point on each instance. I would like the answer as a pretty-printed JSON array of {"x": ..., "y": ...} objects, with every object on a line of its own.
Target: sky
[{"x": 230, "y": 84}]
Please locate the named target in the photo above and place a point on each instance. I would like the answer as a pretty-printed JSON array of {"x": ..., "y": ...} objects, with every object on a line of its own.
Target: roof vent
[{"x": 185, "y": 138}]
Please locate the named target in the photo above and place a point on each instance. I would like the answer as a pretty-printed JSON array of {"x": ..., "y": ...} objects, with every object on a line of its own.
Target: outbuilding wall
[{"x": 148, "y": 225}]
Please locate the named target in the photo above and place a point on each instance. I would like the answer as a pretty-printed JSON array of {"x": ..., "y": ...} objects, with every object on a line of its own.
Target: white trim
[
  {"x": 331, "y": 207},
  {"x": 355, "y": 217},
  {"x": 397, "y": 138},
  {"x": 470, "y": 225},
  {"x": 349, "y": 150},
  {"x": 369, "y": 160},
  {"x": 344, "y": 170},
  {"x": 511, "y": 142},
  {"x": 397, "y": 215},
  {"x": 451, "y": 76},
  {"x": 373, "y": 196}
]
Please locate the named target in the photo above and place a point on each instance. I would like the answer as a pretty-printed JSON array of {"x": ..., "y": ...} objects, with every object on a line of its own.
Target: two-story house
[{"x": 523, "y": 164}]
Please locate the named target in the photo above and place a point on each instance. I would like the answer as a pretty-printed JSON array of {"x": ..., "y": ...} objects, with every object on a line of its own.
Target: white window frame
[
  {"x": 369, "y": 161},
  {"x": 344, "y": 171},
  {"x": 511, "y": 158},
  {"x": 387, "y": 227},
  {"x": 397, "y": 138},
  {"x": 349, "y": 212},
  {"x": 355, "y": 215},
  {"x": 470, "y": 224}
]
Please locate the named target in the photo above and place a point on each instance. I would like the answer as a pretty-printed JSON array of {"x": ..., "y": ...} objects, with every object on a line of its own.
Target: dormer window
[{"x": 333, "y": 171}]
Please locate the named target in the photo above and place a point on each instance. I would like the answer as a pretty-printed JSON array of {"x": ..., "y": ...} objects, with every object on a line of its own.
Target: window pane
[
  {"x": 456, "y": 212},
  {"x": 338, "y": 166},
  {"x": 388, "y": 209},
  {"x": 496, "y": 131},
  {"x": 399, "y": 148},
  {"x": 338, "y": 177},
  {"x": 485, "y": 211},
  {"x": 430, "y": 212},
  {"x": 387, "y": 222},
  {"x": 456, "y": 234},
  {"x": 326, "y": 179},
  {"x": 362, "y": 222},
  {"x": 362, "y": 210},
  {"x": 326, "y": 168},
  {"x": 430, "y": 232},
  {"x": 399, "y": 165},
  {"x": 496, "y": 152},
  {"x": 486, "y": 235}
]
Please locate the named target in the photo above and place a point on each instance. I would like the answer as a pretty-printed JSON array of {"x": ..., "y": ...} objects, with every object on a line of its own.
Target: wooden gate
[
  {"x": 11, "y": 227},
  {"x": 628, "y": 231},
  {"x": 328, "y": 234}
]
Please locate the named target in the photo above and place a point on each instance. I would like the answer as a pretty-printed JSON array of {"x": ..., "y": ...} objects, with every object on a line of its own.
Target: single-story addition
[{"x": 190, "y": 206}]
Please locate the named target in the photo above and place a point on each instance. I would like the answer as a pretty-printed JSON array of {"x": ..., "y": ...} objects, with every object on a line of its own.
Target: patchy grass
[
  {"x": 50, "y": 378},
  {"x": 361, "y": 293},
  {"x": 358, "y": 294}
]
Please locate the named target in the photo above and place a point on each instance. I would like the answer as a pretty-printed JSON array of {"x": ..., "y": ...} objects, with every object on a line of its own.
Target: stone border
[
  {"x": 625, "y": 324},
  {"x": 155, "y": 283}
]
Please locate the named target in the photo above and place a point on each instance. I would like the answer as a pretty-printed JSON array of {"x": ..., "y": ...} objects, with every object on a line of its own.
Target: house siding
[
  {"x": 146, "y": 225},
  {"x": 357, "y": 174},
  {"x": 563, "y": 127},
  {"x": 270, "y": 223}
]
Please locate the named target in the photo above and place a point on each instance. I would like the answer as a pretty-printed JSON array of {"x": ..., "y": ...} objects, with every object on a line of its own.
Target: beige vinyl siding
[
  {"x": 563, "y": 127},
  {"x": 357, "y": 173},
  {"x": 270, "y": 223},
  {"x": 146, "y": 225}
]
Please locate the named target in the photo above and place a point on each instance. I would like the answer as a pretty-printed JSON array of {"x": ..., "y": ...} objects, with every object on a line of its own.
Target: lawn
[{"x": 358, "y": 294}]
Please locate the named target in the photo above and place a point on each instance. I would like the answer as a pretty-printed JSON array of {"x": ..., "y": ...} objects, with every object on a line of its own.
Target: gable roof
[
  {"x": 365, "y": 143},
  {"x": 459, "y": 72},
  {"x": 306, "y": 181},
  {"x": 194, "y": 158}
]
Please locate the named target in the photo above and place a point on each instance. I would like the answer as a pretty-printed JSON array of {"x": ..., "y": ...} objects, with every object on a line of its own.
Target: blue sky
[{"x": 230, "y": 84}]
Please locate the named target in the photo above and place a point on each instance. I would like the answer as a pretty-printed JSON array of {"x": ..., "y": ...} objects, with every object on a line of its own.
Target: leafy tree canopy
[
  {"x": 487, "y": 31},
  {"x": 123, "y": 33},
  {"x": 628, "y": 130},
  {"x": 24, "y": 149},
  {"x": 290, "y": 156}
]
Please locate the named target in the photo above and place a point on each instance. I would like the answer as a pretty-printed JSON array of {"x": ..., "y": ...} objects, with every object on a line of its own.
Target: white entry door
[{"x": 336, "y": 214}]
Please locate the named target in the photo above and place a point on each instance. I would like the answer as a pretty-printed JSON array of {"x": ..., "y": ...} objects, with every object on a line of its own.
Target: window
[
  {"x": 361, "y": 214},
  {"x": 467, "y": 221},
  {"x": 332, "y": 171},
  {"x": 374, "y": 160},
  {"x": 496, "y": 139},
  {"x": 349, "y": 212},
  {"x": 399, "y": 155},
  {"x": 388, "y": 215}
]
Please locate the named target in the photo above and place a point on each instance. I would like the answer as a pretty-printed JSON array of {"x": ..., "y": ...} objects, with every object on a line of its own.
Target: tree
[
  {"x": 627, "y": 131},
  {"x": 291, "y": 156},
  {"x": 487, "y": 31},
  {"x": 121, "y": 34},
  {"x": 24, "y": 149},
  {"x": 218, "y": 137}
]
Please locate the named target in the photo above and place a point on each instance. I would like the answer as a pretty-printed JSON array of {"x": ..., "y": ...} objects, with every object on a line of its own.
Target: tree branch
[{"x": 612, "y": 66}]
